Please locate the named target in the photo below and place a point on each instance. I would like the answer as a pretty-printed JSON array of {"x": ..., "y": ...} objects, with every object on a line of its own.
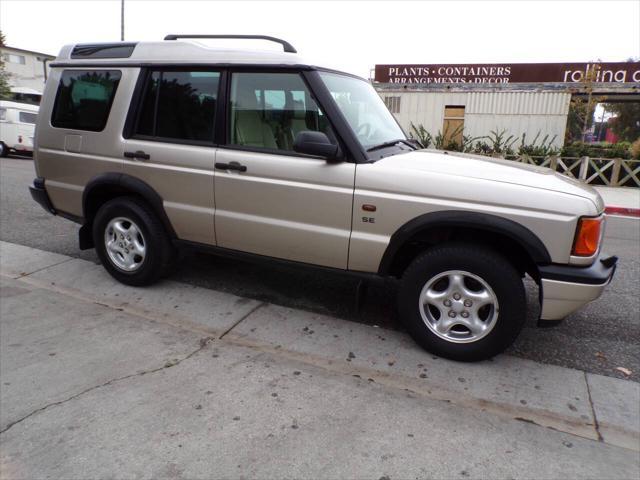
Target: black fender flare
[
  {"x": 123, "y": 184},
  {"x": 455, "y": 218}
]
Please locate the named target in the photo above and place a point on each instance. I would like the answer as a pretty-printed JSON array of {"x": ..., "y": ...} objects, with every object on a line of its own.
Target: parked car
[
  {"x": 154, "y": 146},
  {"x": 17, "y": 126}
]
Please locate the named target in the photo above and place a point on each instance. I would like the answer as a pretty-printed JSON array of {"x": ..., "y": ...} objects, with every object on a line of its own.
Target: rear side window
[
  {"x": 27, "y": 117},
  {"x": 84, "y": 99},
  {"x": 179, "y": 105}
]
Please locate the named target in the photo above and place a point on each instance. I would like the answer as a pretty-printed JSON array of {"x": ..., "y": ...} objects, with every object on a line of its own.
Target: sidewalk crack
[
  {"x": 262, "y": 304},
  {"x": 23, "y": 274},
  {"x": 596, "y": 425},
  {"x": 202, "y": 344}
]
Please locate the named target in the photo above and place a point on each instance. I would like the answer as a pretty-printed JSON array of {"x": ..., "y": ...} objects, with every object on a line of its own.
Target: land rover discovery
[{"x": 153, "y": 146}]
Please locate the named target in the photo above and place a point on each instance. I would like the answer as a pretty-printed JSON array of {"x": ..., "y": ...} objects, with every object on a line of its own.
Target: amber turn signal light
[{"x": 587, "y": 237}]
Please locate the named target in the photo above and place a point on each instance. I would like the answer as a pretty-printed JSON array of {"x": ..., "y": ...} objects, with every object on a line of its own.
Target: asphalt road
[{"x": 599, "y": 338}]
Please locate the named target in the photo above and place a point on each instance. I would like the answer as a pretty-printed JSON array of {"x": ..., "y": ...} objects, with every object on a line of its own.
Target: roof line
[{"x": 27, "y": 51}]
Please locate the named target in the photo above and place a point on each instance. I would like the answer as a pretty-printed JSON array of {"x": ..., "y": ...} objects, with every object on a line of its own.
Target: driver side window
[{"x": 268, "y": 110}]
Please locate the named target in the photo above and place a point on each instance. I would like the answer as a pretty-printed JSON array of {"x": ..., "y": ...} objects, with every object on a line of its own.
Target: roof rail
[{"x": 286, "y": 45}]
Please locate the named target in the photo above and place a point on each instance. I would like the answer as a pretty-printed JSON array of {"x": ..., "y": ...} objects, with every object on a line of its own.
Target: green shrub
[
  {"x": 499, "y": 144},
  {"x": 597, "y": 150},
  {"x": 421, "y": 135},
  {"x": 533, "y": 150}
]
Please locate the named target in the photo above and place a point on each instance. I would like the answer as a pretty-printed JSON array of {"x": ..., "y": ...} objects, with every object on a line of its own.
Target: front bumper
[
  {"x": 564, "y": 289},
  {"x": 40, "y": 195}
]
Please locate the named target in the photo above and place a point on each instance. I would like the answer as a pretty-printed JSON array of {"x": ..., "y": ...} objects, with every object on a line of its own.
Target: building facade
[
  {"x": 28, "y": 69},
  {"x": 477, "y": 112},
  {"x": 514, "y": 99}
]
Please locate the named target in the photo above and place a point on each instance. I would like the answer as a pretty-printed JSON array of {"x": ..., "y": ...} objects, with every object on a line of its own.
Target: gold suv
[{"x": 153, "y": 146}]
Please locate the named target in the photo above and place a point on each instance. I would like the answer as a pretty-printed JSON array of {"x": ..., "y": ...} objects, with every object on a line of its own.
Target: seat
[
  {"x": 298, "y": 119},
  {"x": 250, "y": 128}
]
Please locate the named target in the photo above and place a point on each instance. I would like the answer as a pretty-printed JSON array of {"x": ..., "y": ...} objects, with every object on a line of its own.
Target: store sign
[{"x": 620, "y": 72}]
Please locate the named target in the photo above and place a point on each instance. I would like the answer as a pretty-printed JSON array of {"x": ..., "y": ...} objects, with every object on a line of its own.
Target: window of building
[
  {"x": 14, "y": 58},
  {"x": 84, "y": 99},
  {"x": 393, "y": 104},
  {"x": 30, "y": 98},
  {"x": 27, "y": 117},
  {"x": 179, "y": 105},
  {"x": 268, "y": 110},
  {"x": 453, "y": 125}
]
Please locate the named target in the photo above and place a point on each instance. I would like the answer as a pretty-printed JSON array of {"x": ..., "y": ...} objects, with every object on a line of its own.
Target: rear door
[
  {"x": 271, "y": 200},
  {"x": 171, "y": 146}
]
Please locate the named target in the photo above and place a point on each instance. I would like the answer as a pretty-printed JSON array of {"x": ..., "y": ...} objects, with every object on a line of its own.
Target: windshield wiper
[{"x": 391, "y": 144}]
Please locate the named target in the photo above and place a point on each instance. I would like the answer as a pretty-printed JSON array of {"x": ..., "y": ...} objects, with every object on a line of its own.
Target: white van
[{"x": 17, "y": 127}]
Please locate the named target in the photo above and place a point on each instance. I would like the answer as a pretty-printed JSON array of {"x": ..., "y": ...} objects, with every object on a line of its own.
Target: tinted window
[
  {"x": 84, "y": 99},
  {"x": 27, "y": 117},
  {"x": 118, "y": 50},
  {"x": 268, "y": 110},
  {"x": 147, "y": 109},
  {"x": 179, "y": 105}
]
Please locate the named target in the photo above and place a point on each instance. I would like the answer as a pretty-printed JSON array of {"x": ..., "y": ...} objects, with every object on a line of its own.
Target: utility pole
[{"x": 121, "y": 20}]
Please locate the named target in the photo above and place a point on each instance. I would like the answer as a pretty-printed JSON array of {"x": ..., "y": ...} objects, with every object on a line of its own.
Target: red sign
[{"x": 619, "y": 72}]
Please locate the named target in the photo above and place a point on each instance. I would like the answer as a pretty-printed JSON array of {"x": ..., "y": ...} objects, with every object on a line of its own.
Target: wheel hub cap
[
  {"x": 125, "y": 244},
  {"x": 458, "y": 306}
]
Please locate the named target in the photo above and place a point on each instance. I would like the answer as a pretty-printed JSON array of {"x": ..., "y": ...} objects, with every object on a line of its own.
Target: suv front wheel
[
  {"x": 132, "y": 244},
  {"x": 462, "y": 302}
]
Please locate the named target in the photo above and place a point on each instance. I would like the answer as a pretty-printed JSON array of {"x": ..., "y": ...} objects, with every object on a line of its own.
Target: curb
[{"x": 624, "y": 211}]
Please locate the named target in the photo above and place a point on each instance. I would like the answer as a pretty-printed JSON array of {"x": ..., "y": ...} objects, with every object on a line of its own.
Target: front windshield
[{"x": 363, "y": 108}]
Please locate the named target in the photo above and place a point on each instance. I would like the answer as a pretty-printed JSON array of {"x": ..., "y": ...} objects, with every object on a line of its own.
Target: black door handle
[
  {"x": 140, "y": 155},
  {"x": 231, "y": 166}
]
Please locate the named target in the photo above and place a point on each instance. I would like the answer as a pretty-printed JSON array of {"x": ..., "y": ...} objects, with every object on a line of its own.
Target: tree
[
  {"x": 582, "y": 107},
  {"x": 5, "y": 88},
  {"x": 626, "y": 124}
]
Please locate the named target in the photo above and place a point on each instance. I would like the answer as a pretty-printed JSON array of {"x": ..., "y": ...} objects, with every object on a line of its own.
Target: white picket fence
[{"x": 613, "y": 172}]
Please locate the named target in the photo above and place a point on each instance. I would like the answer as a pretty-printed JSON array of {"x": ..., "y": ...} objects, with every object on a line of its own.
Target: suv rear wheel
[
  {"x": 462, "y": 302},
  {"x": 132, "y": 244}
]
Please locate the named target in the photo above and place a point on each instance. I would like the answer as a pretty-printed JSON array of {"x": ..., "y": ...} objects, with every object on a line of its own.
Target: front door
[{"x": 270, "y": 200}]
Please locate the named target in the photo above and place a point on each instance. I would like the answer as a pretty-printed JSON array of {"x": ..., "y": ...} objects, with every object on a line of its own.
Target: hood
[{"x": 491, "y": 169}]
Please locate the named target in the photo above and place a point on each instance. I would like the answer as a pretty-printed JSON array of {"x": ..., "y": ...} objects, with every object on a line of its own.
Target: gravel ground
[{"x": 599, "y": 338}]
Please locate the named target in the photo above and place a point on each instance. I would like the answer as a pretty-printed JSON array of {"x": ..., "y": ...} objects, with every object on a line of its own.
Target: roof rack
[{"x": 286, "y": 45}]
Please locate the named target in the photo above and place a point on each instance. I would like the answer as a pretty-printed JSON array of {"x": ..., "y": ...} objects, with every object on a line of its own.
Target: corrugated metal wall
[{"x": 515, "y": 112}]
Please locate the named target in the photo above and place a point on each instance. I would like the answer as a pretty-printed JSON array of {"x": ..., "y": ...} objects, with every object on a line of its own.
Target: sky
[{"x": 351, "y": 36}]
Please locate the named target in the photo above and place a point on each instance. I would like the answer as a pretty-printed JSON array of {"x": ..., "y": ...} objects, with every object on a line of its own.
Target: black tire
[
  {"x": 4, "y": 150},
  {"x": 159, "y": 254},
  {"x": 488, "y": 265}
]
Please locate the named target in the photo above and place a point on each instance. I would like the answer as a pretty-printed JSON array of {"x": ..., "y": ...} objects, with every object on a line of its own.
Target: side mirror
[{"x": 315, "y": 143}]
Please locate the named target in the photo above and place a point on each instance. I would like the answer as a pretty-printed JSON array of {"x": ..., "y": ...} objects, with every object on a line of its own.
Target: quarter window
[
  {"x": 84, "y": 99},
  {"x": 179, "y": 105},
  {"x": 268, "y": 110},
  {"x": 3, "y": 113},
  {"x": 27, "y": 117}
]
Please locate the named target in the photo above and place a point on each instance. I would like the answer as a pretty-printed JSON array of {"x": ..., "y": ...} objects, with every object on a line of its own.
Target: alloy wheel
[{"x": 458, "y": 306}]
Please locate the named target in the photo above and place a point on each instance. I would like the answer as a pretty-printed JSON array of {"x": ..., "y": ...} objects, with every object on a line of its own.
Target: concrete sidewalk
[
  {"x": 620, "y": 200},
  {"x": 99, "y": 379}
]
